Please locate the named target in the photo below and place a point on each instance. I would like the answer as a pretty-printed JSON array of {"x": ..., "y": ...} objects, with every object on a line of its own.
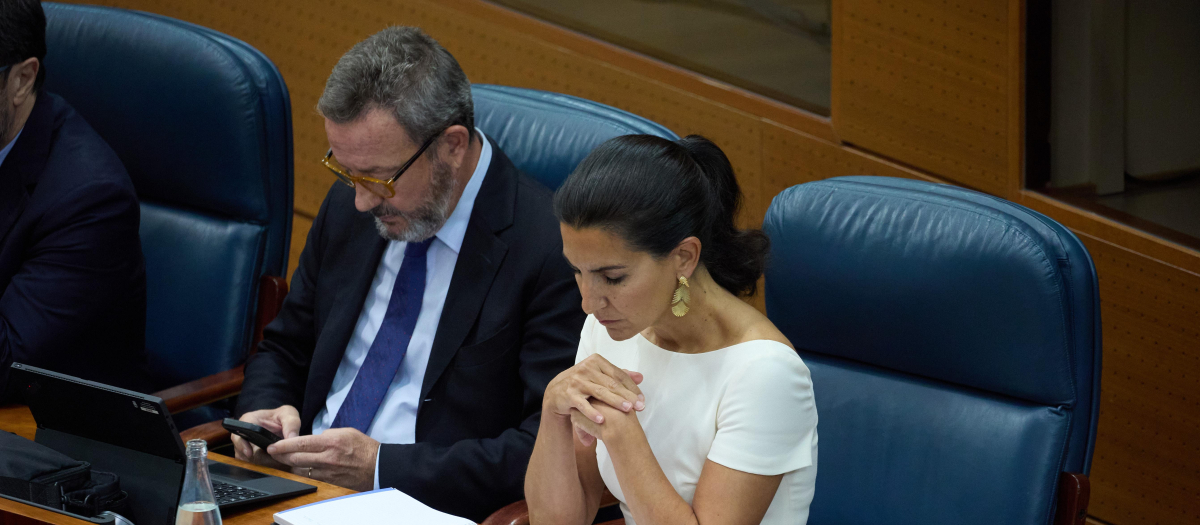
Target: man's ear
[
  {"x": 687, "y": 256},
  {"x": 24, "y": 74},
  {"x": 454, "y": 144}
]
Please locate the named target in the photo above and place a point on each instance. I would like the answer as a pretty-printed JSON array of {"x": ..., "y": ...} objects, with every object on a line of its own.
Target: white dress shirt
[
  {"x": 9, "y": 147},
  {"x": 396, "y": 420}
]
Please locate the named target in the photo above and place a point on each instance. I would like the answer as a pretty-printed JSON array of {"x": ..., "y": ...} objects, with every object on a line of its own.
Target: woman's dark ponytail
[
  {"x": 737, "y": 257},
  {"x": 655, "y": 193}
]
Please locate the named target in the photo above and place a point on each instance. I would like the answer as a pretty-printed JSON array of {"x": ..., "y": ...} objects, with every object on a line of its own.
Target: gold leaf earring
[{"x": 679, "y": 301}]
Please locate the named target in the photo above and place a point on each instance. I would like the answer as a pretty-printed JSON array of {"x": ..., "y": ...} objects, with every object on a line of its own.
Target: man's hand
[
  {"x": 283, "y": 421},
  {"x": 342, "y": 456}
]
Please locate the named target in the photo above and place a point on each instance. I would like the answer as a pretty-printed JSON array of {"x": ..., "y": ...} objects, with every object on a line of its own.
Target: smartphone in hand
[{"x": 250, "y": 432}]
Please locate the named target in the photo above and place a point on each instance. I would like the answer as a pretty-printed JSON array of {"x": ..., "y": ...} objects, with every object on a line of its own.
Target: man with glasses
[
  {"x": 72, "y": 278},
  {"x": 431, "y": 304}
]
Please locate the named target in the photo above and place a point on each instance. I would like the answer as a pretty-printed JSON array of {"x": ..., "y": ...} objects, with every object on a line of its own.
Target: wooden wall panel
[
  {"x": 1147, "y": 459},
  {"x": 889, "y": 102},
  {"x": 927, "y": 83},
  {"x": 791, "y": 157}
]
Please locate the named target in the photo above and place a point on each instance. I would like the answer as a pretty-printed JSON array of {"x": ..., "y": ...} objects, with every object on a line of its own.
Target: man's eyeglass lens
[{"x": 343, "y": 174}]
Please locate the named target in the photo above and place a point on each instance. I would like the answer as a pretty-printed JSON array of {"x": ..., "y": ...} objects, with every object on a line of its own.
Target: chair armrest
[
  {"x": 607, "y": 499},
  {"x": 212, "y": 432},
  {"x": 1074, "y": 491},
  {"x": 203, "y": 391},
  {"x": 271, "y": 292},
  {"x": 518, "y": 513}
]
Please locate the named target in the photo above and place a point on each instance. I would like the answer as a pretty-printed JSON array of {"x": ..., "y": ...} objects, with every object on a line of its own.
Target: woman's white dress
[{"x": 748, "y": 407}]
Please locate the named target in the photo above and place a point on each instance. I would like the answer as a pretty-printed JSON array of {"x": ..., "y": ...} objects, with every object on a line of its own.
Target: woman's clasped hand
[{"x": 592, "y": 393}]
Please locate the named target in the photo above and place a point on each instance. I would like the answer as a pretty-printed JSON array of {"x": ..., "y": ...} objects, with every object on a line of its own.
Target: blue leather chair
[
  {"x": 547, "y": 134},
  {"x": 203, "y": 124},
  {"x": 954, "y": 343}
]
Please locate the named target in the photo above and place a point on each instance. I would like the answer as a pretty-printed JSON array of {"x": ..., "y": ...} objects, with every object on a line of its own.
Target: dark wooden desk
[{"x": 16, "y": 419}]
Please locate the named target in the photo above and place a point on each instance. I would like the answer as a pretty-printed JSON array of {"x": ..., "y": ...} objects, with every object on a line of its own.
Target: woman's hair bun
[{"x": 655, "y": 193}]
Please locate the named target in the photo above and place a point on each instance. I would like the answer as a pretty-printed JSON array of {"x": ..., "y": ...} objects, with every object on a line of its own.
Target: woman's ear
[{"x": 687, "y": 256}]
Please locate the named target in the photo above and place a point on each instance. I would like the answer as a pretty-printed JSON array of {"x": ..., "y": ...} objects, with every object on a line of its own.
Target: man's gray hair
[{"x": 407, "y": 72}]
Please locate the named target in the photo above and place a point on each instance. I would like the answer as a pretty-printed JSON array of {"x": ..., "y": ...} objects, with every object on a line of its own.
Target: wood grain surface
[
  {"x": 1145, "y": 461},
  {"x": 927, "y": 82}
]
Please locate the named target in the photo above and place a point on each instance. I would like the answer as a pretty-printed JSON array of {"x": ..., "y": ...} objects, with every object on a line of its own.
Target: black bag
[{"x": 39, "y": 474}]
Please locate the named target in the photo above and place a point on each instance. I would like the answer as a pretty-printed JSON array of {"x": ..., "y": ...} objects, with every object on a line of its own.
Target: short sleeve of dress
[
  {"x": 767, "y": 417},
  {"x": 587, "y": 339}
]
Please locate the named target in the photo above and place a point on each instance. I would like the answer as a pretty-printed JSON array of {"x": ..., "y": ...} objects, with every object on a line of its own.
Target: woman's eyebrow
[{"x": 607, "y": 268}]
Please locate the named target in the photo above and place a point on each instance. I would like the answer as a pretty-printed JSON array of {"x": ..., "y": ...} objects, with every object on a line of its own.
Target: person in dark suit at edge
[
  {"x": 72, "y": 277},
  {"x": 431, "y": 304}
]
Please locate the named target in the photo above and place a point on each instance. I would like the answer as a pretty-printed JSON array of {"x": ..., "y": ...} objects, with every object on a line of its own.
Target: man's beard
[{"x": 425, "y": 221}]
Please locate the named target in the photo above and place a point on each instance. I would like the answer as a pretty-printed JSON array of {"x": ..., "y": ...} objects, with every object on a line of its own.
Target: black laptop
[{"x": 132, "y": 435}]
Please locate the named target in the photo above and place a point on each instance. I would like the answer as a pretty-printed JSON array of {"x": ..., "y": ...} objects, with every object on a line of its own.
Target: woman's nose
[{"x": 591, "y": 301}]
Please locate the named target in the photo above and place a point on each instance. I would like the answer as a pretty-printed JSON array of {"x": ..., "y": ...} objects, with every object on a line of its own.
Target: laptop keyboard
[{"x": 226, "y": 493}]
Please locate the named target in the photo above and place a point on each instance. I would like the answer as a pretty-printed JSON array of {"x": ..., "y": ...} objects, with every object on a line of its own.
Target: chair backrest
[
  {"x": 547, "y": 134},
  {"x": 954, "y": 343},
  {"x": 203, "y": 124}
]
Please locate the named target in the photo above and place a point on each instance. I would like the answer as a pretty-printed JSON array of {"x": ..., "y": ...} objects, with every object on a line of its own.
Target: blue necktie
[{"x": 391, "y": 343}]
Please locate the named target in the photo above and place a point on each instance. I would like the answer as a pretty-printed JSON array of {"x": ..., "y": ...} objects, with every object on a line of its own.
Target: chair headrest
[
  {"x": 188, "y": 110},
  {"x": 937, "y": 281},
  {"x": 547, "y": 134}
]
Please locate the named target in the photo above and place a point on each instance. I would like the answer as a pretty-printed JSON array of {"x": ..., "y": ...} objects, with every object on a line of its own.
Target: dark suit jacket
[
  {"x": 71, "y": 269},
  {"x": 511, "y": 322}
]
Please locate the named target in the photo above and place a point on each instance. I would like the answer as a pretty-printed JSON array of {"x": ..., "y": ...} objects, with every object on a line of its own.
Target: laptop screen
[{"x": 99, "y": 412}]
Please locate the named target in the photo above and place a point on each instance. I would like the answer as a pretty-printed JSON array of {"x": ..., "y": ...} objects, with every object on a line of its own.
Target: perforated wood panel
[
  {"x": 928, "y": 83},
  {"x": 518, "y": 59},
  {"x": 791, "y": 157},
  {"x": 1147, "y": 459}
]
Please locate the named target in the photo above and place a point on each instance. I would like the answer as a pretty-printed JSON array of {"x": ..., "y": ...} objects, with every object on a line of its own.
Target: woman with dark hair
[{"x": 685, "y": 402}]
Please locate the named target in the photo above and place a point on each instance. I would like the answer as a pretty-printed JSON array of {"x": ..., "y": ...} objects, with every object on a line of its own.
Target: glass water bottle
[{"x": 197, "y": 506}]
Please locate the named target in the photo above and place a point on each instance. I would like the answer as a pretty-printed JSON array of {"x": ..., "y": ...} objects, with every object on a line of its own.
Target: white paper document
[{"x": 384, "y": 507}]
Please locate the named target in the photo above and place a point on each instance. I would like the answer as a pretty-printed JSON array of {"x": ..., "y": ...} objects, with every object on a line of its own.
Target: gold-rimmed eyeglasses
[{"x": 380, "y": 187}]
